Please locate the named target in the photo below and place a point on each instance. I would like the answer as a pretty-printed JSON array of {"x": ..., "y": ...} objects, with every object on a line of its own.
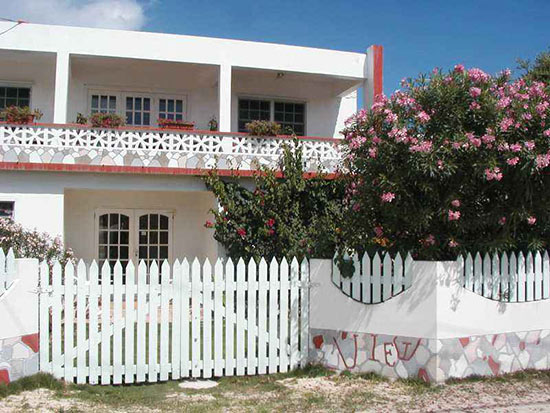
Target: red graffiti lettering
[
  {"x": 342, "y": 356},
  {"x": 387, "y": 352}
]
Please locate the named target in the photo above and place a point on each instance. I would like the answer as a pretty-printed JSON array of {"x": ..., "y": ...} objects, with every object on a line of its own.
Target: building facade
[{"x": 136, "y": 192}]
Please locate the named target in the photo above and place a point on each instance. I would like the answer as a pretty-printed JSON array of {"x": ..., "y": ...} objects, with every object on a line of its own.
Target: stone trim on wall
[
  {"x": 18, "y": 357},
  {"x": 432, "y": 360}
]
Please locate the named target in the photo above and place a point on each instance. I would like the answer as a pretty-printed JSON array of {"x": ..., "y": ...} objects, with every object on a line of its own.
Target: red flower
[
  {"x": 241, "y": 232},
  {"x": 270, "y": 232},
  {"x": 209, "y": 224},
  {"x": 270, "y": 222}
]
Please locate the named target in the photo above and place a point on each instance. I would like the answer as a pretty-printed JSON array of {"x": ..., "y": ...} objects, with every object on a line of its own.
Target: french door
[{"x": 133, "y": 235}]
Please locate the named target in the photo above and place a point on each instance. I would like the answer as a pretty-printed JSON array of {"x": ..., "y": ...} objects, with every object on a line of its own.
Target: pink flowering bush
[
  {"x": 31, "y": 244},
  {"x": 452, "y": 162}
]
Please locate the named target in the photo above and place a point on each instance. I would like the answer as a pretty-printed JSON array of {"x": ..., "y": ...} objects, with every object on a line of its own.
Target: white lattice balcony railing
[{"x": 79, "y": 145}]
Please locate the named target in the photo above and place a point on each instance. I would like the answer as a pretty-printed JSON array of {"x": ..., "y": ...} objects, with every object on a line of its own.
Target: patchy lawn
[{"x": 311, "y": 389}]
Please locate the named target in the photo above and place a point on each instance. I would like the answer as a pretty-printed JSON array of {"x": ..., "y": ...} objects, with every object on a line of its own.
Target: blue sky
[{"x": 417, "y": 35}]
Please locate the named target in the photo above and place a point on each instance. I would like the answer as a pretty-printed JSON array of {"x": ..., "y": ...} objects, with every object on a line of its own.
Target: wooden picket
[
  {"x": 508, "y": 277},
  {"x": 114, "y": 325},
  {"x": 375, "y": 279}
]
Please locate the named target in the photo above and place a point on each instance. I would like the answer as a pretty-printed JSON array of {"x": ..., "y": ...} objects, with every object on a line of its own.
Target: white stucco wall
[
  {"x": 436, "y": 306},
  {"x": 126, "y": 61},
  {"x": 190, "y": 210},
  {"x": 63, "y": 204},
  {"x": 34, "y": 70}
]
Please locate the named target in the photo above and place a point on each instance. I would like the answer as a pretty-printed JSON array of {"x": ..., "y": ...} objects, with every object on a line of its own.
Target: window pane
[
  {"x": 147, "y": 104},
  {"x": 290, "y": 116},
  {"x": 124, "y": 237},
  {"x": 129, "y": 119},
  {"x": 146, "y": 119},
  {"x": 24, "y": 92},
  {"x": 6, "y": 209},
  {"x": 12, "y": 92},
  {"x": 103, "y": 221},
  {"x": 163, "y": 239},
  {"x": 103, "y": 102},
  {"x": 103, "y": 237},
  {"x": 162, "y": 105},
  {"x": 153, "y": 237},
  {"x": 2, "y": 92},
  {"x": 129, "y": 103},
  {"x": 95, "y": 101},
  {"x": 137, "y": 118},
  {"x": 113, "y": 221},
  {"x": 112, "y": 102},
  {"x": 179, "y": 106},
  {"x": 163, "y": 253},
  {"x": 163, "y": 222},
  {"x": 138, "y": 104}
]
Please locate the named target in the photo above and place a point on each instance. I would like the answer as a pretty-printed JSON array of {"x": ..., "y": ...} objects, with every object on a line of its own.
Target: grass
[
  {"x": 266, "y": 393},
  {"x": 37, "y": 381}
]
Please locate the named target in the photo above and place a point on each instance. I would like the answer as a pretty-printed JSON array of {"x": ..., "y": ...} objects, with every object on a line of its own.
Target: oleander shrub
[
  {"x": 31, "y": 243},
  {"x": 452, "y": 162},
  {"x": 263, "y": 128},
  {"x": 106, "y": 120}
]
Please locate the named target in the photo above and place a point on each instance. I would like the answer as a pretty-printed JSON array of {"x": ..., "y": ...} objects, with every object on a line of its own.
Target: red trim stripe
[{"x": 147, "y": 170}]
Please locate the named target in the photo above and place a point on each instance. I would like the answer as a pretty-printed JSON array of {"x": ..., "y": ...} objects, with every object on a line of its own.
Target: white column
[
  {"x": 224, "y": 97},
  {"x": 374, "y": 65},
  {"x": 62, "y": 77}
]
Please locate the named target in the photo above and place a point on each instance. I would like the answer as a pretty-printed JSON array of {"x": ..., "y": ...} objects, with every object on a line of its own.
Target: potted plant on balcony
[
  {"x": 106, "y": 120},
  {"x": 263, "y": 128},
  {"x": 175, "y": 124},
  {"x": 20, "y": 116},
  {"x": 213, "y": 124}
]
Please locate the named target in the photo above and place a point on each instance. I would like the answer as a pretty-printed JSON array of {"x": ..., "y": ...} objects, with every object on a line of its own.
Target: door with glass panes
[{"x": 136, "y": 235}]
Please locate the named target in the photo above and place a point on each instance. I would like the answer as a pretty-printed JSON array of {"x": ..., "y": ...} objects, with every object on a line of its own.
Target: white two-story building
[{"x": 136, "y": 191}]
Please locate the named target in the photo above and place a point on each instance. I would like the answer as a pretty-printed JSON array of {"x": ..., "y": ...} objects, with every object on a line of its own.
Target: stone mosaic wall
[
  {"x": 431, "y": 359},
  {"x": 18, "y": 357}
]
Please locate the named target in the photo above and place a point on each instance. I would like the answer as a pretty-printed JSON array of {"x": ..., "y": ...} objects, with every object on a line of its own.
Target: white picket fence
[
  {"x": 7, "y": 270},
  {"x": 508, "y": 277},
  {"x": 375, "y": 279},
  {"x": 198, "y": 321}
]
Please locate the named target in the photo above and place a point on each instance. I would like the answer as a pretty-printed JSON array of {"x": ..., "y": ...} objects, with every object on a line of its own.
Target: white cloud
[{"x": 112, "y": 14}]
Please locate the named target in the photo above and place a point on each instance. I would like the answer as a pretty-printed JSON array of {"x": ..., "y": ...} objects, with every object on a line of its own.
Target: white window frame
[
  {"x": 121, "y": 95},
  {"x": 272, "y": 101},
  {"x": 133, "y": 214}
]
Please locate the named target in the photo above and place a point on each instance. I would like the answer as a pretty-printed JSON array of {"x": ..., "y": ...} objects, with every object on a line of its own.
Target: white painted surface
[
  {"x": 435, "y": 306},
  {"x": 180, "y": 48},
  {"x": 19, "y": 303},
  {"x": 62, "y": 80},
  {"x": 123, "y": 62}
]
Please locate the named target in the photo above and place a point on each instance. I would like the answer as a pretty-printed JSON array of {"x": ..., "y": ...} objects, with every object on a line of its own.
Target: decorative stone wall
[
  {"x": 18, "y": 357},
  {"x": 432, "y": 360}
]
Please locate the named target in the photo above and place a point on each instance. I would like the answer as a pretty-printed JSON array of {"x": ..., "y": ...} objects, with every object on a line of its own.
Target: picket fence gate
[
  {"x": 375, "y": 280},
  {"x": 113, "y": 326},
  {"x": 509, "y": 277}
]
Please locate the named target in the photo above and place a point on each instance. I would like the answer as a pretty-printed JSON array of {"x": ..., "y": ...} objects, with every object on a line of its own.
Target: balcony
[{"x": 50, "y": 147}]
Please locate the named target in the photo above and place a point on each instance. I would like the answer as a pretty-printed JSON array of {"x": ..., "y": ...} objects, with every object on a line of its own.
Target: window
[
  {"x": 15, "y": 96},
  {"x": 114, "y": 239},
  {"x": 138, "y": 111},
  {"x": 6, "y": 209},
  {"x": 171, "y": 109},
  {"x": 290, "y": 115},
  {"x": 250, "y": 109},
  {"x": 103, "y": 104},
  {"x": 133, "y": 235},
  {"x": 154, "y": 234}
]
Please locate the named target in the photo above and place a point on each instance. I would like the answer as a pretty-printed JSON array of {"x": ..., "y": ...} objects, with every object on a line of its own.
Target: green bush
[{"x": 287, "y": 214}]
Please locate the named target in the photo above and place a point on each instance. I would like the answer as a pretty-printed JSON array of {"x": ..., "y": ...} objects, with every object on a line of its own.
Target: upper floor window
[
  {"x": 103, "y": 104},
  {"x": 172, "y": 109},
  {"x": 15, "y": 96},
  {"x": 138, "y": 111},
  {"x": 290, "y": 115},
  {"x": 6, "y": 209}
]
